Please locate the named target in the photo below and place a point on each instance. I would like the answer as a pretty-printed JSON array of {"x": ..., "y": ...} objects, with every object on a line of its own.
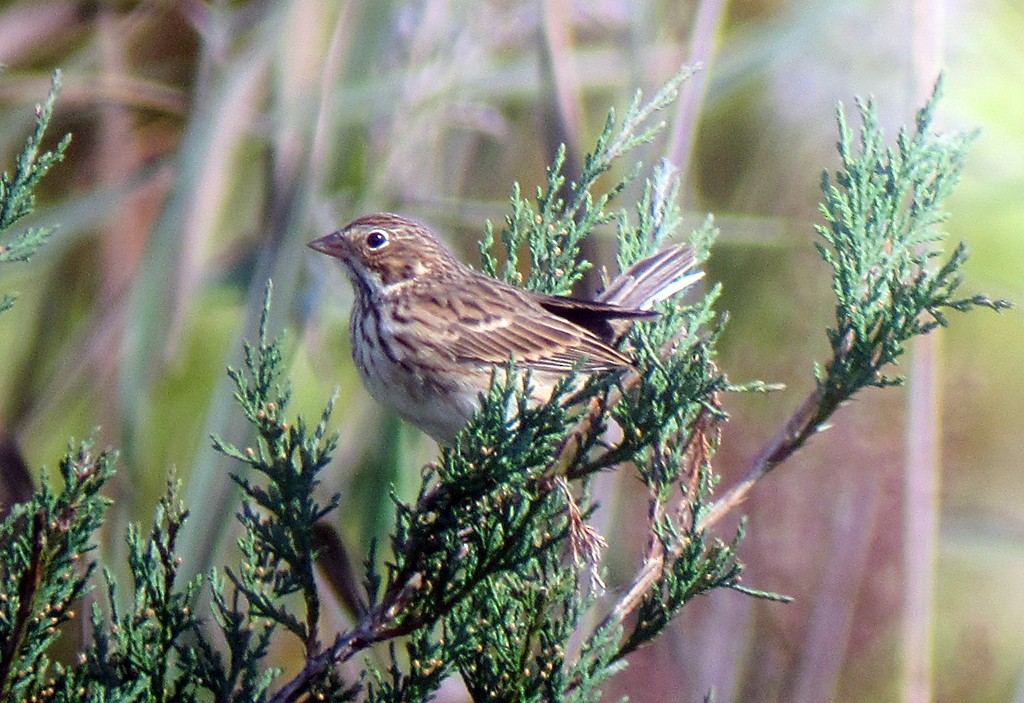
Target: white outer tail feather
[{"x": 653, "y": 280}]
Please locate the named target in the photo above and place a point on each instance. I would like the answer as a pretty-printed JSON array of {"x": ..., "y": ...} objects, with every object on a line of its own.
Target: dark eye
[{"x": 377, "y": 239}]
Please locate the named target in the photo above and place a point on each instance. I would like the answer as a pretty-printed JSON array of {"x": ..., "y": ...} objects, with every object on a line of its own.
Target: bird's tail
[{"x": 654, "y": 279}]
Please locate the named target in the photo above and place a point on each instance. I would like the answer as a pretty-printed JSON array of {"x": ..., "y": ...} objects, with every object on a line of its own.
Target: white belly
[{"x": 439, "y": 407}]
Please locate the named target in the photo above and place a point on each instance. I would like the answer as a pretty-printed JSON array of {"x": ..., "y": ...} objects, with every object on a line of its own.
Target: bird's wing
[
  {"x": 492, "y": 323},
  {"x": 595, "y": 316}
]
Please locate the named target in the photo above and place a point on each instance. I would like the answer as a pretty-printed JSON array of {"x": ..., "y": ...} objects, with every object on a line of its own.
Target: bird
[{"x": 428, "y": 331}]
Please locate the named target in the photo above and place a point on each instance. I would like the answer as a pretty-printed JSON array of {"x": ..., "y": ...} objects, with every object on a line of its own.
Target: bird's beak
[{"x": 333, "y": 245}]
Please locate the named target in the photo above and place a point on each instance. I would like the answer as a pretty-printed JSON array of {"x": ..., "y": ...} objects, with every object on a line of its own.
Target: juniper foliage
[
  {"x": 46, "y": 570},
  {"x": 17, "y": 190},
  {"x": 883, "y": 213},
  {"x": 493, "y": 571}
]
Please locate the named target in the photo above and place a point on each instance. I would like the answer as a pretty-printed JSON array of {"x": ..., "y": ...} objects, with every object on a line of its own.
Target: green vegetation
[{"x": 492, "y": 573}]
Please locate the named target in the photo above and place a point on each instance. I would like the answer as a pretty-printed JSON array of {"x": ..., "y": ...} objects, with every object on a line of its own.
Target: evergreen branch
[
  {"x": 493, "y": 568},
  {"x": 279, "y": 545},
  {"x": 554, "y": 228},
  {"x": 17, "y": 190},
  {"x": 41, "y": 575},
  {"x": 133, "y": 653},
  {"x": 882, "y": 209}
]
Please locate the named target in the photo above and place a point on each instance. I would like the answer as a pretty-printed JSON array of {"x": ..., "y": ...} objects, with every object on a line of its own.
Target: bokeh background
[{"x": 213, "y": 139}]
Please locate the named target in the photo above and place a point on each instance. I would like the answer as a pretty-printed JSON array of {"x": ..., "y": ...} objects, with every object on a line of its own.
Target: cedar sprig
[
  {"x": 884, "y": 209},
  {"x": 278, "y": 546},
  {"x": 47, "y": 543},
  {"x": 134, "y": 648},
  {"x": 18, "y": 189},
  {"x": 553, "y": 228}
]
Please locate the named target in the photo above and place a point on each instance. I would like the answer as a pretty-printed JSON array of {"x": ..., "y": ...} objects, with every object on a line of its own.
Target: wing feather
[{"x": 492, "y": 323}]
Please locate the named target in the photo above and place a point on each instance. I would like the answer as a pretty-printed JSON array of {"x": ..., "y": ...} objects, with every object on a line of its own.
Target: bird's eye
[{"x": 377, "y": 239}]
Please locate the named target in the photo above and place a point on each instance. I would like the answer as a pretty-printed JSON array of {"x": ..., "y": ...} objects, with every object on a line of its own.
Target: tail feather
[
  {"x": 654, "y": 279},
  {"x": 631, "y": 295}
]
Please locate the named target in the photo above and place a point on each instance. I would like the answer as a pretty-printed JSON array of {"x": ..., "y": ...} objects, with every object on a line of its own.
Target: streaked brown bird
[{"x": 428, "y": 331}]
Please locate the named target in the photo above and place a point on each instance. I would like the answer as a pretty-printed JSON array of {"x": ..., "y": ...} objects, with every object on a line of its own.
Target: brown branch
[
  {"x": 801, "y": 426},
  {"x": 345, "y": 645},
  {"x": 647, "y": 575},
  {"x": 697, "y": 454},
  {"x": 336, "y": 568},
  {"x": 377, "y": 626},
  {"x": 30, "y": 581}
]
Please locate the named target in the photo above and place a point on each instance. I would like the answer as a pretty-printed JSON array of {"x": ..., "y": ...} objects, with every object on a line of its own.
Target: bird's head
[{"x": 385, "y": 251}]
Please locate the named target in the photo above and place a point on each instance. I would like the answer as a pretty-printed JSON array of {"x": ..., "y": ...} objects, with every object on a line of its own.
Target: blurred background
[{"x": 213, "y": 139}]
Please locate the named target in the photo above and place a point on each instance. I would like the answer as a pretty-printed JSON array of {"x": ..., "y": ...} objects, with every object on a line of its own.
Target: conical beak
[{"x": 334, "y": 244}]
